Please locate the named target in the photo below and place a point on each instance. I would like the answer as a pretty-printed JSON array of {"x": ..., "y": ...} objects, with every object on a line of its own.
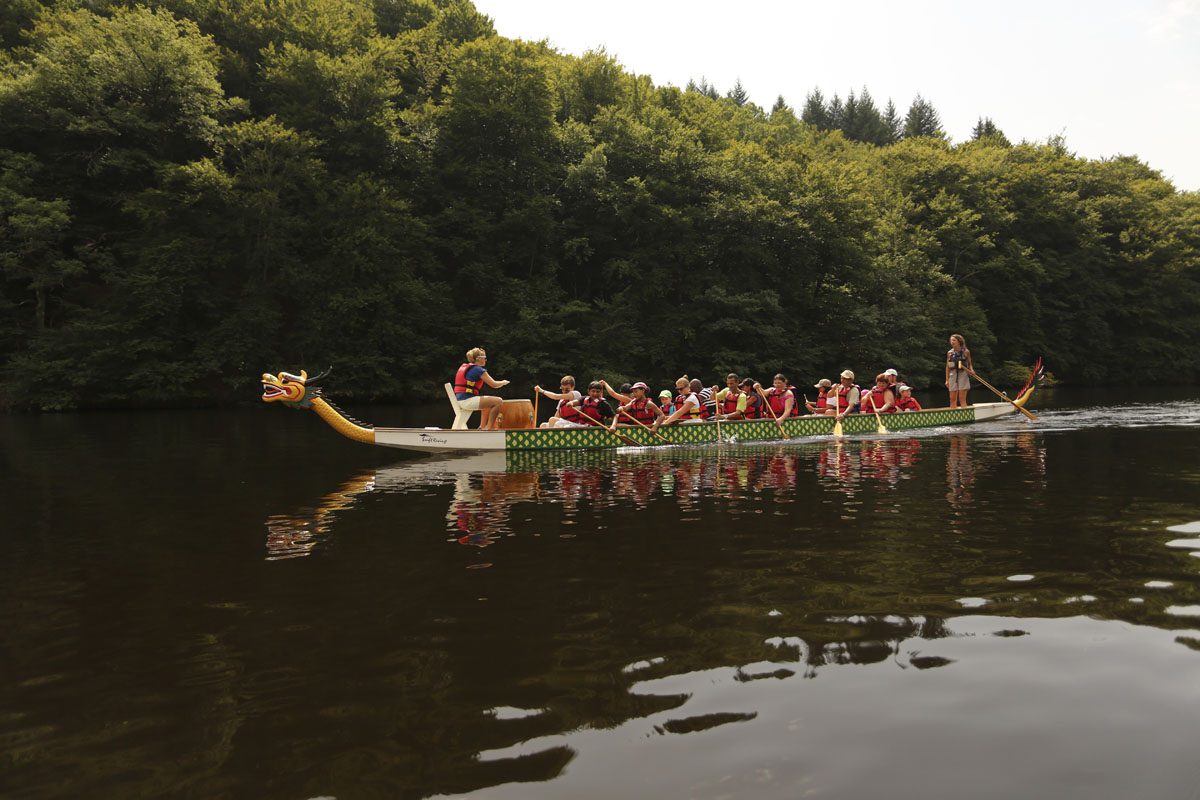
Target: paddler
[
  {"x": 666, "y": 401},
  {"x": 468, "y": 385},
  {"x": 755, "y": 408},
  {"x": 708, "y": 406},
  {"x": 781, "y": 398},
  {"x": 823, "y": 388},
  {"x": 907, "y": 402},
  {"x": 594, "y": 407},
  {"x": 640, "y": 407},
  {"x": 687, "y": 405},
  {"x": 893, "y": 381},
  {"x": 563, "y": 413},
  {"x": 731, "y": 402},
  {"x": 880, "y": 398},
  {"x": 622, "y": 396},
  {"x": 844, "y": 396}
]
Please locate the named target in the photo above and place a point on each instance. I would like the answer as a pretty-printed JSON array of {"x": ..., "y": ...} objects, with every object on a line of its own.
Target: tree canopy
[{"x": 193, "y": 192}]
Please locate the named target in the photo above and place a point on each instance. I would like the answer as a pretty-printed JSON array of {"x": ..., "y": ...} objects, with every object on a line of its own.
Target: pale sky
[{"x": 1113, "y": 78}]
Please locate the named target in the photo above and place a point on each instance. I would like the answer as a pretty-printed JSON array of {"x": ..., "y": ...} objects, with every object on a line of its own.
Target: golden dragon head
[{"x": 289, "y": 389}]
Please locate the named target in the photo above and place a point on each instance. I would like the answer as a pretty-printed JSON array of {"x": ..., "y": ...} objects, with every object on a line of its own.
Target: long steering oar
[
  {"x": 878, "y": 419},
  {"x": 767, "y": 403},
  {"x": 647, "y": 427},
  {"x": 603, "y": 427},
  {"x": 1002, "y": 395}
]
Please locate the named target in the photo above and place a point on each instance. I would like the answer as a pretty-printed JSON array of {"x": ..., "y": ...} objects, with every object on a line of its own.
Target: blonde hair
[
  {"x": 474, "y": 353},
  {"x": 684, "y": 380},
  {"x": 568, "y": 379},
  {"x": 959, "y": 337}
]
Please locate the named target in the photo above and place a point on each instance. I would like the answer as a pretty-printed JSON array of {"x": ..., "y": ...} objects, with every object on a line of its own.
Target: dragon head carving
[{"x": 293, "y": 390}]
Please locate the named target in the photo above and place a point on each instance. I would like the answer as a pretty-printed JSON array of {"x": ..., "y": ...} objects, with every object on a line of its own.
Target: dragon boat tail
[{"x": 519, "y": 434}]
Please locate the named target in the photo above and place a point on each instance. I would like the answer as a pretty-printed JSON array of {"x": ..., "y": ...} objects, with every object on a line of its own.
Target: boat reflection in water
[{"x": 485, "y": 487}]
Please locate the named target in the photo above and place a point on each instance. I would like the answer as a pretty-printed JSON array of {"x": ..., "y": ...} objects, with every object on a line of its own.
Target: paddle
[
  {"x": 605, "y": 428},
  {"x": 878, "y": 419},
  {"x": 536, "y": 395},
  {"x": 837, "y": 417},
  {"x": 716, "y": 413},
  {"x": 767, "y": 403},
  {"x": 1002, "y": 395},
  {"x": 646, "y": 427}
]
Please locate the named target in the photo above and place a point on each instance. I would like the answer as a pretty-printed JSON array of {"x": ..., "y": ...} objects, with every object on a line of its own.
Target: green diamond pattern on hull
[{"x": 748, "y": 430}]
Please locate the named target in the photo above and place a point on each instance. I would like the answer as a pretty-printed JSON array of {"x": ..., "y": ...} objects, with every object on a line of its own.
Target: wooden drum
[{"x": 516, "y": 414}]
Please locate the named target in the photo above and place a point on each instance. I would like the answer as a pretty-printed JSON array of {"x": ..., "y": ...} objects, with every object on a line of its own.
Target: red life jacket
[
  {"x": 908, "y": 404},
  {"x": 640, "y": 410},
  {"x": 695, "y": 412},
  {"x": 569, "y": 414},
  {"x": 822, "y": 401},
  {"x": 843, "y": 396},
  {"x": 591, "y": 408},
  {"x": 754, "y": 406},
  {"x": 464, "y": 386},
  {"x": 775, "y": 398},
  {"x": 879, "y": 398},
  {"x": 730, "y": 404}
]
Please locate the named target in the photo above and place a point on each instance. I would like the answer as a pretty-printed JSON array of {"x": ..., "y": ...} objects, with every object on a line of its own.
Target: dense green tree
[
  {"x": 194, "y": 191},
  {"x": 33, "y": 235}
]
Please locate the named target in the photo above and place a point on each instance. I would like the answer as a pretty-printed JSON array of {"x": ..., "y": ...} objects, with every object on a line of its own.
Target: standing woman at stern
[
  {"x": 958, "y": 364},
  {"x": 468, "y": 383}
]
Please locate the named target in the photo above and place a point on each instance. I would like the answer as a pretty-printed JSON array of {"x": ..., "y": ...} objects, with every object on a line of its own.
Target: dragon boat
[{"x": 518, "y": 432}]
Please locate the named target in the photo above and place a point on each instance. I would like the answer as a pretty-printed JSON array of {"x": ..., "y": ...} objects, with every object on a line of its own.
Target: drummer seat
[{"x": 461, "y": 415}]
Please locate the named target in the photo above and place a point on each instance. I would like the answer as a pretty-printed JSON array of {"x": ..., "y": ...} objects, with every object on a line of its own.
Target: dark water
[{"x": 243, "y": 604}]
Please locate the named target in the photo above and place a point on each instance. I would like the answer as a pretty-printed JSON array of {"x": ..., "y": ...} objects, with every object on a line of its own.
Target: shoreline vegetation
[{"x": 193, "y": 192}]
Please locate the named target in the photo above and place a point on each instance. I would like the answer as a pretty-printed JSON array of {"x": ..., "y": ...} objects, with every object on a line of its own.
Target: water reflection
[
  {"x": 484, "y": 488},
  {"x": 752, "y": 621}
]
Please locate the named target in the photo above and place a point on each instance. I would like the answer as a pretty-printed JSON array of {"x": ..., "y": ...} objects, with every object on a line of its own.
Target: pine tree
[
  {"x": 738, "y": 93},
  {"x": 891, "y": 119},
  {"x": 986, "y": 129},
  {"x": 815, "y": 113},
  {"x": 780, "y": 104},
  {"x": 922, "y": 120},
  {"x": 703, "y": 87},
  {"x": 836, "y": 112},
  {"x": 862, "y": 121},
  {"x": 849, "y": 117}
]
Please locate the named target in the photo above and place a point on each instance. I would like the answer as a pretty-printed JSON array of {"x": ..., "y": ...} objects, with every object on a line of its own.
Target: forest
[{"x": 193, "y": 192}]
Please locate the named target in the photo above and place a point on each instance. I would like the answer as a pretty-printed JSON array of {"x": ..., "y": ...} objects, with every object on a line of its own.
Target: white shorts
[
  {"x": 471, "y": 403},
  {"x": 562, "y": 423}
]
